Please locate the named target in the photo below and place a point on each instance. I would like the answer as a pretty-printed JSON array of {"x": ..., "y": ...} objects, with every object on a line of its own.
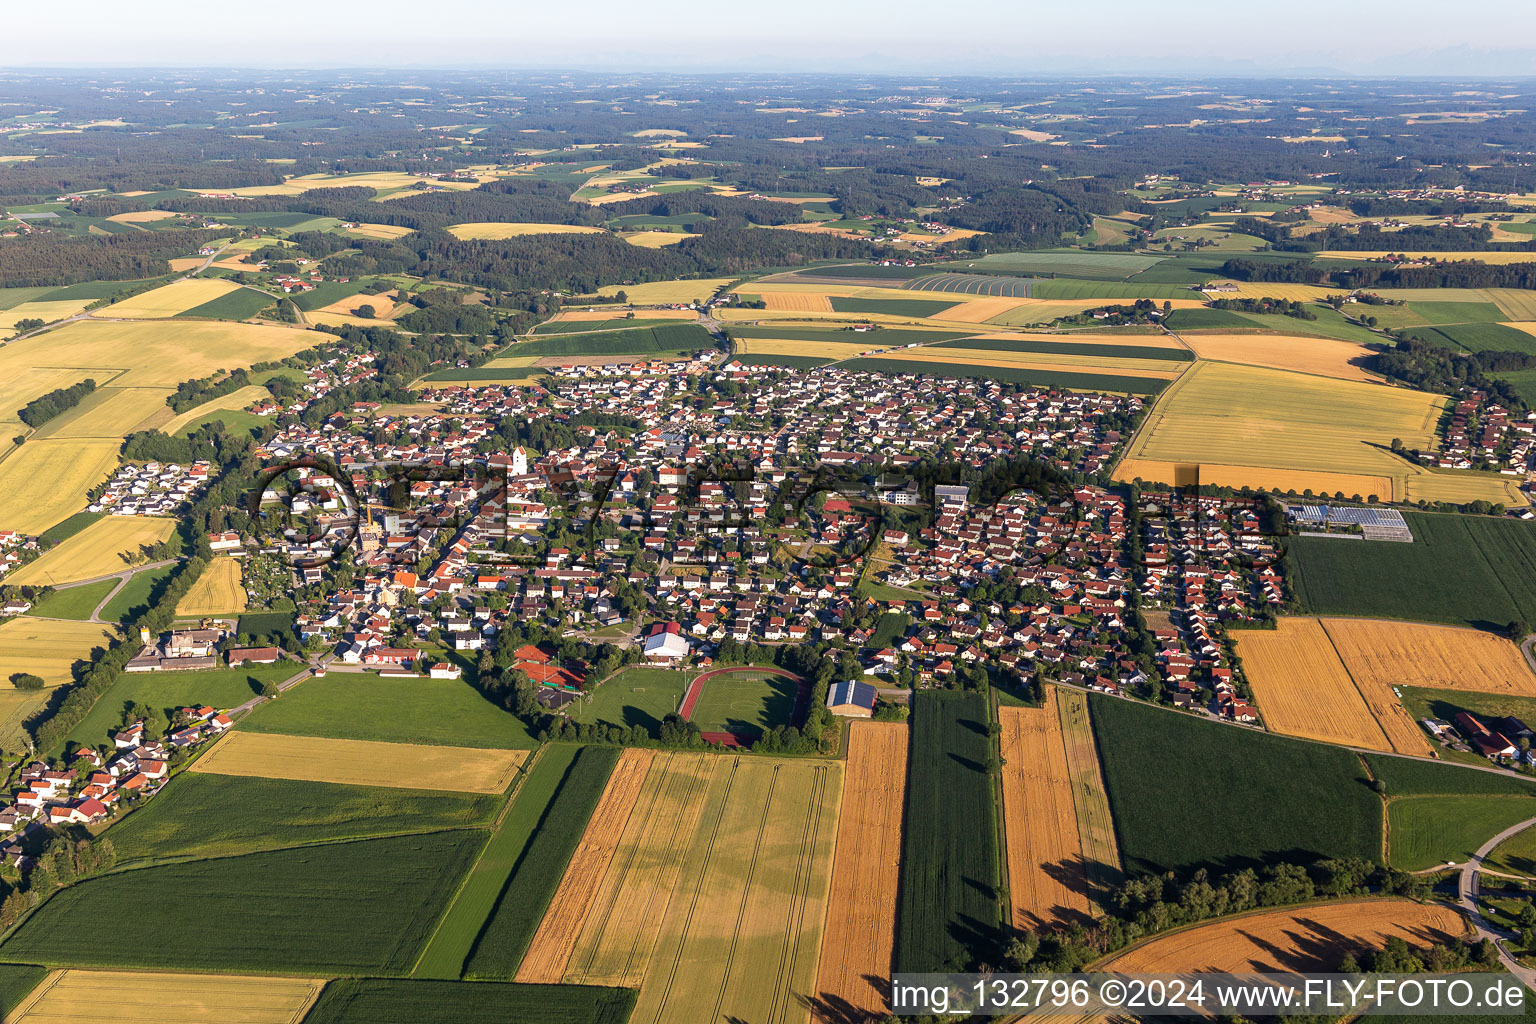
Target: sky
[{"x": 991, "y": 37}]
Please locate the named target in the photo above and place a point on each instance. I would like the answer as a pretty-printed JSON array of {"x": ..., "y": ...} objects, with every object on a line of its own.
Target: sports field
[
  {"x": 1304, "y": 689},
  {"x": 1303, "y": 939},
  {"x": 861, "y": 913},
  {"x": 1046, "y": 882},
  {"x": 216, "y": 592},
  {"x": 496, "y": 230},
  {"x": 743, "y": 702},
  {"x": 110, "y": 544},
  {"x": 232, "y": 402},
  {"x": 84, "y": 995},
  {"x": 1245, "y": 418},
  {"x": 362, "y": 762},
  {"x": 45, "y": 482},
  {"x": 714, "y": 901},
  {"x": 1329, "y": 357},
  {"x": 170, "y": 299}
]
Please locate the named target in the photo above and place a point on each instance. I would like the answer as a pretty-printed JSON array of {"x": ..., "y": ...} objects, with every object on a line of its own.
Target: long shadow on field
[
  {"x": 828, "y": 1008},
  {"x": 1071, "y": 874},
  {"x": 980, "y": 728},
  {"x": 967, "y": 763}
]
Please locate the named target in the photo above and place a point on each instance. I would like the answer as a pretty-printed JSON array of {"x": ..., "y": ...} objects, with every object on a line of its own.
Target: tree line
[{"x": 40, "y": 410}]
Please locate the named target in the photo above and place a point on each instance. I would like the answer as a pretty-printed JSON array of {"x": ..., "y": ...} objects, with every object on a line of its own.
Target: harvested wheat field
[
  {"x": 235, "y": 400},
  {"x": 1302, "y": 939},
  {"x": 46, "y": 482},
  {"x": 817, "y": 349},
  {"x": 1383, "y": 653},
  {"x": 47, "y": 312},
  {"x": 656, "y": 239},
  {"x": 362, "y": 762},
  {"x": 550, "y": 950},
  {"x": 48, "y": 647},
  {"x": 1045, "y": 859},
  {"x": 1095, "y": 825},
  {"x": 801, "y": 302},
  {"x": 667, "y": 292},
  {"x": 1278, "y": 480},
  {"x": 20, "y": 384},
  {"x": 107, "y": 412},
  {"x": 169, "y": 299},
  {"x": 106, "y": 546},
  {"x": 141, "y": 216},
  {"x": 78, "y": 995},
  {"x": 384, "y": 232},
  {"x": 152, "y": 354},
  {"x": 216, "y": 592},
  {"x": 976, "y": 311},
  {"x": 714, "y": 901},
  {"x": 383, "y": 306},
  {"x": 1304, "y": 689},
  {"x": 496, "y": 230},
  {"x": 1224, "y": 414},
  {"x": 590, "y": 315},
  {"x": 861, "y": 915},
  {"x": 1327, "y": 356}
]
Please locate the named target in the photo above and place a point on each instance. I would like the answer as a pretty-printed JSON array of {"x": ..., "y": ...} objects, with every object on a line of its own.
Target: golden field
[
  {"x": 1277, "y": 290},
  {"x": 1301, "y": 939},
  {"x": 216, "y": 592},
  {"x": 1329, "y": 357},
  {"x": 24, "y": 383},
  {"x": 799, "y": 302},
  {"x": 721, "y": 879},
  {"x": 97, "y": 550},
  {"x": 381, "y": 180},
  {"x": 107, "y": 412},
  {"x": 818, "y": 349},
  {"x": 589, "y": 315},
  {"x": 383, "y": 306},
  {"x": 550, "y": 949},
  {"x": 1243, "y": 417},
  {"x": 1462, "y": 486},
  {"x": 861, "y": 914},
  {"x": 169, "y": 300},
  {"x": 141, "y": 216},
  {"x": 81, "y": 995},
  {"x": 382, "y": 232},
  {"x": 46, "y": 482},
  {"x": 1046, "y": 882},
  {"x": 1516, "y": 303},
  {"x": 152, "y": 354},
  {"x": 1154, "y": 369},
  {"x": 667, "y": 292},
  {"x": 362, "y": 762},
  {"x": 1095, "y": 825},
  {"x": 976, "y": 310},
  {"x": 1279, "y": 480},
  {"x": 48, "y": 647},
  {"x": 655, "y": 239},
  {"x": 497, "y": 230},
  {"x": 47, "y": 312},
  {"x": 1304, "y": 689},
  {"x": 1469, "y": 254},
  {"x": 1026, "y": 312},
  {"x": 235, "y": 400},
  {"x": 1383, "y": 653}
]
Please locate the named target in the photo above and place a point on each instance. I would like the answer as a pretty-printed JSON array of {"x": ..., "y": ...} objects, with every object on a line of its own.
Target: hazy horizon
[{"x": 1112, "y": 37}]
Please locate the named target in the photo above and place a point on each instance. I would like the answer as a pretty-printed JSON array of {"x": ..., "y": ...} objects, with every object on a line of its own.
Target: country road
[
  {"x": 122, "y": 578},
  {"x": 1468, "y": 889}
]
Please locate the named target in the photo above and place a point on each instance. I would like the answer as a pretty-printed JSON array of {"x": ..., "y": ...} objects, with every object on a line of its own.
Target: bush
[{"x": 27, "y": 681}]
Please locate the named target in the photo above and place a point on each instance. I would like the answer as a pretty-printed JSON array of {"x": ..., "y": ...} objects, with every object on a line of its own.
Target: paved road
[
  {"x": 292, "y": 681},
  {"x": 1467, "y": 893},
  {"x": 122, "y": 578}
]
